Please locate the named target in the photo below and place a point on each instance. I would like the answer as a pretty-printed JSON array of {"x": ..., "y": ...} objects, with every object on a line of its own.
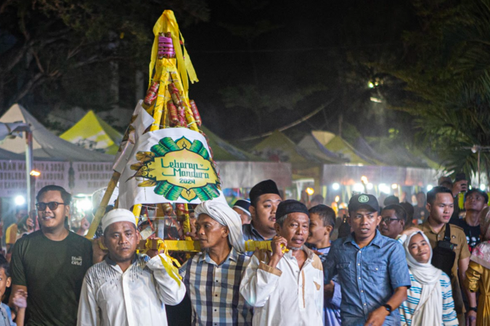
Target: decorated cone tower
[{"x": 164, "y": 158}]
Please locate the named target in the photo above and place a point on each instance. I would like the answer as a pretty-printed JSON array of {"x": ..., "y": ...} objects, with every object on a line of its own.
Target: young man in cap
[
  {"x": 475, "y": 200},
  {"x": 393, "y": 219},
  {"x": 286, "y": 288},
  {"x": 264, "y": 198},
  {"x": 242, "y": 207},
  {"x": 440, "y": 205},
  {"x": 212, "y": 277},
  {"x": 366, "y": 258},
  {"x": 125, "y": 289},
  {"x": 49, "y": 264}
]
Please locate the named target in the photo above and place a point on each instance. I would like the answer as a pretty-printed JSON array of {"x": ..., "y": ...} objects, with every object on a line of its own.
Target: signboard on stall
[
  {"x": 78, "y": 177},
  {"x": 88, "y": 176}
]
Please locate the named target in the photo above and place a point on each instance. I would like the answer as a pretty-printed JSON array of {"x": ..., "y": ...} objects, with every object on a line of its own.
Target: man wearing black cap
[
  {"x": 475, "y": 201},
  {"x": 264, "y": 198},
  {"x": 286, "y": 288},
  {"x": 372, "y": 269},
  {"x": 242, "y": 207}
]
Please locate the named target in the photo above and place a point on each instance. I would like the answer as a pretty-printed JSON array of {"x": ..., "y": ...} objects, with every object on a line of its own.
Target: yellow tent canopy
[
  {"x": 338, "y": 145},
  {"x": 91, "y": 132}
]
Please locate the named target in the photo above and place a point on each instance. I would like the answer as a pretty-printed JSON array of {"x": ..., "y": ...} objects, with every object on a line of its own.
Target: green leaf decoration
[
  {"x": 159, "y": 150},
  {"x": 167, "y": 190},
  {"x": 198, "y": 147},
  {"x": 168, "y": 143},
  {"x": 207, "y": 192}
]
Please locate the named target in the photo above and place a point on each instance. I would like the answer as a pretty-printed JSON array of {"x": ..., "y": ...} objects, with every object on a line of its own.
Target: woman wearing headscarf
[
  {"x": 478, "y": 272},
  {"x": 212, "y": 277},
  {"x": 429, "y": 299}
]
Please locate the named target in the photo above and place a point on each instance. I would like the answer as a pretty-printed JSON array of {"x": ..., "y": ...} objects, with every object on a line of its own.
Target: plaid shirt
[{"x": 214, "y": 290}]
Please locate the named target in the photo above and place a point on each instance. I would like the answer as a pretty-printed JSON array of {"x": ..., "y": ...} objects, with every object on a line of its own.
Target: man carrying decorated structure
[
  {"x": 125, "y": 289},
  {"x": 212, "y": 277},
  {"x": 286, "y": 288}
]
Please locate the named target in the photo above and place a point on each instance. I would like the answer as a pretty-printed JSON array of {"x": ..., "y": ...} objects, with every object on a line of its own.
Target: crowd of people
[{"x": 394, "y": 264}]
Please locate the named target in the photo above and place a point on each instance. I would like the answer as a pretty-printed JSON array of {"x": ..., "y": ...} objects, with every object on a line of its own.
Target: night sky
[{"x": 305, "y": 47}]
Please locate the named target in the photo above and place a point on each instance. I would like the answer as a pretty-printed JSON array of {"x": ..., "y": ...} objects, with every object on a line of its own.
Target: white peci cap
[{"x": 117, "y": 215}]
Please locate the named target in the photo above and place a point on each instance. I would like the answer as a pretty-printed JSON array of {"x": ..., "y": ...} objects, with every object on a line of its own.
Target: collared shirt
[
  {"x": 111, "y": 297},
  {"x": 285, "y": 295},
  {"x": 6, "y": 316},
  {"x": 251, "y": 233},
  {"x": 214, "y": 290},
  {"x": 368, "y": 276}
]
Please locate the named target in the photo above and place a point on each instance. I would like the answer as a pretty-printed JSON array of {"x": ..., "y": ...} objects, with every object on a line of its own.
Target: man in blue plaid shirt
[{"x": 212, "y": 277}]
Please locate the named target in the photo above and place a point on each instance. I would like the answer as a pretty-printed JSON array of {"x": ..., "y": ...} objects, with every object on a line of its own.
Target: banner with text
[{"x": 169, "y": 165}]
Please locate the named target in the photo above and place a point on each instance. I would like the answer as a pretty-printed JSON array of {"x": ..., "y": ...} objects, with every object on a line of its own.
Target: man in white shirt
[
  {"x": 124, "y": 289},
  {"x": 286, "y": 288}
]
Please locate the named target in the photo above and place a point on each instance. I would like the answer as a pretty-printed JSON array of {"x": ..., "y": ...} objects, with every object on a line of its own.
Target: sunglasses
[
  {"x": 388, "y": 220},
  {"x": 52, "y": 205}
]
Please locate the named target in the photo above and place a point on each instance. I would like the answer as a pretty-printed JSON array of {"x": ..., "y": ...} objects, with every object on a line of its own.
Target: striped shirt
[
  {"x": 407, "y": 308},
  {"x": 214, "y": 290}
]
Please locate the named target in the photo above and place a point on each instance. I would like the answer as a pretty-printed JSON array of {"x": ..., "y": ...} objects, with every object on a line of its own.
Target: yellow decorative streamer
[
  {"x": 168, "y": 23},
  {"x": 167, "y": 261},
  {"x": 252, "y": 245}
]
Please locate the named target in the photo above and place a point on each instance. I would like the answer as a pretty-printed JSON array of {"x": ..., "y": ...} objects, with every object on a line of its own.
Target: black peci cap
[
  {"x": 290, "y": 206},
  {"x": 261, "y": 188}
]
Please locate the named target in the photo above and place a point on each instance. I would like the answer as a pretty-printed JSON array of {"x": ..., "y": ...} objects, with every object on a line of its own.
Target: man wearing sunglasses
[{"x": 49, "y": 264}]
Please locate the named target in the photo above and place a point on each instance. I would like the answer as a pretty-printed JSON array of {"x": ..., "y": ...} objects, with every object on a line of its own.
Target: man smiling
[
  {"x": 366, "y": 258},
  {"x": 49, "y": 264},
  {"x": 286, "y": 288}
]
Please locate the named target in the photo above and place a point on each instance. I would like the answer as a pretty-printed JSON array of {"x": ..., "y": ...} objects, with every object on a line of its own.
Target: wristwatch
[
  {"x": 475, "y": 309},
  {"x": 388, "y": 308}
]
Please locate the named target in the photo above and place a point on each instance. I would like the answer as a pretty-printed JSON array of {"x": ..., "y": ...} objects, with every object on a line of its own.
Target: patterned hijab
[{"x": 481, "y": 253}]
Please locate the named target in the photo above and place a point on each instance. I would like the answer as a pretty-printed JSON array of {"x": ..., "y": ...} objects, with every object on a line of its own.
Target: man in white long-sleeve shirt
[
  {"x": 124, "y": 289},
  {"x": 286, "y": 288}
]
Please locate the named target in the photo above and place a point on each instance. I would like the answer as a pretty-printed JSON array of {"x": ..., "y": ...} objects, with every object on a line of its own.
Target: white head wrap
[
  {"x": 117, "y": 215},
  {"x": 224, "y": 215},
  {"x": 429, "y": 310}
]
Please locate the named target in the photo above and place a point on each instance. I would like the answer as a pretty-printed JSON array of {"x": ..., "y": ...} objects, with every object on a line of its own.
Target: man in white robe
[
  {"x": 124, "y": 289},
  {"x": 286, "y": 288}
]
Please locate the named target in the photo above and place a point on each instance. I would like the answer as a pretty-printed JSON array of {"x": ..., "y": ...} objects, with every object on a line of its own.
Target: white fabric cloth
[
  {"x": 117, "y": 215},
  {"x": 136, "y": 297},
  {"x": 285, "y": 295},
  {"x": 429, "y": 311},
  {"x": 224, "y": 215}
]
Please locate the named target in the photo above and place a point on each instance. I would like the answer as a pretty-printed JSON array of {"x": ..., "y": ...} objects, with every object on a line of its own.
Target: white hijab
[
  {"x": 429, "y": 309},
  {"x": 224, "y": 215}
]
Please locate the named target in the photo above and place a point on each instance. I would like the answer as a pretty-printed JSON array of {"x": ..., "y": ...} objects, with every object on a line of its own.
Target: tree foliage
[
  {"x": 51, "y": 48},
  {"x": 447, "y": 69}
]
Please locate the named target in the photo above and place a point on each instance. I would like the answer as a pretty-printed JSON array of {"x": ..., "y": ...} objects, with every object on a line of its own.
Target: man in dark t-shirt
[
  {"x": 475, "y": 201},
  {"x": 49, "y": 264}
]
